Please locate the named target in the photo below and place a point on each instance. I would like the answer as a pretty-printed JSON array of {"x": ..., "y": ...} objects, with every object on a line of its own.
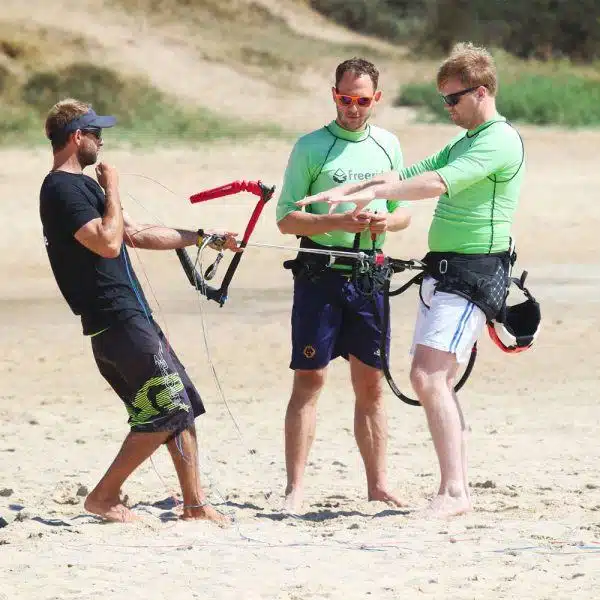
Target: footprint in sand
[{"x": 67, "y": 492}]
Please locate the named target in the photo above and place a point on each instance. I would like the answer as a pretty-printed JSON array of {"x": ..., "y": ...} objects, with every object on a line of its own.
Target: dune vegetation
[{"x": 264, "y": 41}]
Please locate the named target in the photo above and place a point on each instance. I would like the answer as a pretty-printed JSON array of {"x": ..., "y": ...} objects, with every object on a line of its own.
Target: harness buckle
[{"x": 443, "y": 266}]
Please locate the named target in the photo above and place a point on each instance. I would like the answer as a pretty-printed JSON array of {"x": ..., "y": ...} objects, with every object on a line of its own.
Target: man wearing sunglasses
[
  {"x": 86, "y": 233},
  {"x": 329, "y": 317},
  {"x": 477, "y": 177}
]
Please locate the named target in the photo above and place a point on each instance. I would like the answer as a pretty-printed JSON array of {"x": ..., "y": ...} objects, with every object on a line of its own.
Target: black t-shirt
[{"x": 103, "y": 291}]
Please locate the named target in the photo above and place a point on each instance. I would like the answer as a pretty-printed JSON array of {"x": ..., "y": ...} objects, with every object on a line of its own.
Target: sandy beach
[{"x": 535, "y": 531}]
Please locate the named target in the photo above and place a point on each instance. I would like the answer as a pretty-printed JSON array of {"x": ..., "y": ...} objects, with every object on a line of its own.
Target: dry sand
[{"x": 534, "y": 417}]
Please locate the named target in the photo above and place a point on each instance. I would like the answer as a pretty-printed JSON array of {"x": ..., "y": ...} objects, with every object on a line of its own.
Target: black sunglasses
[
  {"x": 454, "y": 99},
  {"x": 95, "y": 131}
]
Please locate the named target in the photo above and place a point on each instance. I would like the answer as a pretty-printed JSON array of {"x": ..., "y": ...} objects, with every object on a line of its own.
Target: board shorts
[
  {"x": 330, "y": 318},
  {"x": 138, "y": 362},
  {"x": 447, "y": 322}
]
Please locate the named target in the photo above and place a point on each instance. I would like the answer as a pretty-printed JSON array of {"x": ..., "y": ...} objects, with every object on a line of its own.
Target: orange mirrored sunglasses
[{"x": 345, "y": 100}]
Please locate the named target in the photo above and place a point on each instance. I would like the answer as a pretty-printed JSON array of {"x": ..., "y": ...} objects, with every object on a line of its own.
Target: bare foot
[
  {"x": 207, "y": 513},
  {"x": 113, "y": 511},
  {"x": 387, "y": 497},
  {"x": 444, "y": 506},
  {"x": 294, "y": 498}
]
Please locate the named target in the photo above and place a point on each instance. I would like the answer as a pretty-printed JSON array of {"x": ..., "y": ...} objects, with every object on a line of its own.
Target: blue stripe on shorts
[{"x": 461, "y": 326}]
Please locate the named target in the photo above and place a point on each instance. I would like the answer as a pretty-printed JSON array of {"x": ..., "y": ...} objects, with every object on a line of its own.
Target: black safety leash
[
  {"x": 384, "y": 324},
  {"x": 378, "y": 279}
]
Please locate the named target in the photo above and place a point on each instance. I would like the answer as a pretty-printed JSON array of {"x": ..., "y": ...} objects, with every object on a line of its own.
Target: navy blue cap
[{"x": 89, "y": 119}]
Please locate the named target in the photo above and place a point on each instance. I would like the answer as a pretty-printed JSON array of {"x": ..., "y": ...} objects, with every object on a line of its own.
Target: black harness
[
  {"x": 481, "y": 278},
  {"x": 313, "y": 266}
]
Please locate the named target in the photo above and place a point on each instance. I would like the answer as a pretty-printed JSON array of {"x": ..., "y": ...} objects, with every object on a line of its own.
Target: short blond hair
[
  {"x": 473, "y": 65},
  {"x": 59, "y": 116}
]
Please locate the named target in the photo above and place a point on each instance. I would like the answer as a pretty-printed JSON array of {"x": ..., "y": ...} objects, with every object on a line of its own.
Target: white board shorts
[{"x": 447, "y": 322}]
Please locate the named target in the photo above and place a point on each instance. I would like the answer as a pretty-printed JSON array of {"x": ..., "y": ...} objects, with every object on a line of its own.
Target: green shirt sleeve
[
  {"x": 431, "y": 163},
  {"x": 296, "y": 181},
  {"x": 488, "y": 155}
]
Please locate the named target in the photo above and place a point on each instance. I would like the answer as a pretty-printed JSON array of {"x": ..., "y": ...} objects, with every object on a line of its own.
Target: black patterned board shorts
[{"x": 137, "y": 361}]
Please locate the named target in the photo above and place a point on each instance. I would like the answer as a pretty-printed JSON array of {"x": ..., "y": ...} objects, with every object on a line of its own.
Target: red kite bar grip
[{"x": 254, "y": 187}]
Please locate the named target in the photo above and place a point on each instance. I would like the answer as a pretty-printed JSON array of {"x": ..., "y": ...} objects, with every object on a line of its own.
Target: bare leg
[
  {"x": 300, "y": 425},
  {"x": 104, "y": 499},
  {"x": 184, "y": 453},
  {"x": 431, "y": 371},
  {"x": 370, "y": 429},
  {"x": 463, "y": 446},
  {"x": 463, "y": 425}
]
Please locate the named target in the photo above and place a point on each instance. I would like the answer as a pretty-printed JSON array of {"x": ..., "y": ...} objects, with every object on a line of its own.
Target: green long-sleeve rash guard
[
  {"x": 483, "y": 170},
  {"x": 332, "y": 156}
]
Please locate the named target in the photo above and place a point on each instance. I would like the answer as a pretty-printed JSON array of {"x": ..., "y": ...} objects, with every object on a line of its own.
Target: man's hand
[
  {"x": 107, "y": 176},
  {"x": 361, "y": 199},
  {"x": 225, "y": 240},
  {"x": 320, "y": 197},
  {"x": 379, "y": 223},
  {"x": 353, "y": 222}
]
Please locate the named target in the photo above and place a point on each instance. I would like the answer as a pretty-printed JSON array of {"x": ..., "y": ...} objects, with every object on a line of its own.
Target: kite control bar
[{"x": 265, "y": 193}]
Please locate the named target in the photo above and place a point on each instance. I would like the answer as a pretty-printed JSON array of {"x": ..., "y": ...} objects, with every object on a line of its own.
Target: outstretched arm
[
  {"x": 159, "y": 237},
  {"x": 422, "y": 187},
  {"x": 341, "y": 192}
]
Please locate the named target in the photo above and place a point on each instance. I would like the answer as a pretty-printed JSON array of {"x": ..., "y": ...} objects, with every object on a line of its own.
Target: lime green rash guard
[
  {"x": 332, "y": 156},
  {"x": 483, "y": 170}
]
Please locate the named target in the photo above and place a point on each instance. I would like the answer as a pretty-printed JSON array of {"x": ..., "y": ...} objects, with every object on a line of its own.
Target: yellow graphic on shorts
[
  {"x": 309, "y": 351},
  {"x": 158, "y": 396}
]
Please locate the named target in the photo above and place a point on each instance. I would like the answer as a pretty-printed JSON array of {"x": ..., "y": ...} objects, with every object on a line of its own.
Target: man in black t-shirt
[{"x": 86, "y": 233}]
